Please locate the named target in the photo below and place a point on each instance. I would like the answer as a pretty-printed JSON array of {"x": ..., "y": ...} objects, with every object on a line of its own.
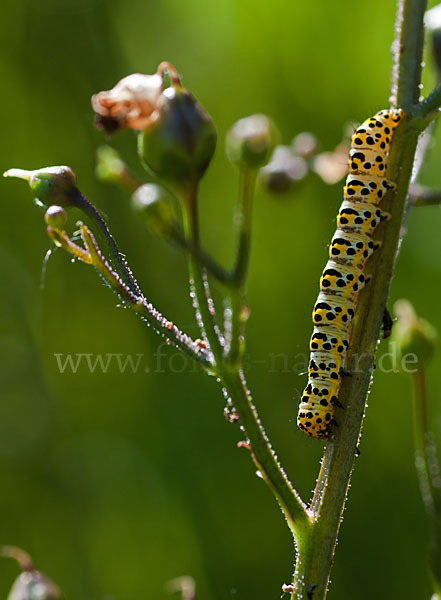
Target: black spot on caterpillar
[{"x": 343, "y": 277}]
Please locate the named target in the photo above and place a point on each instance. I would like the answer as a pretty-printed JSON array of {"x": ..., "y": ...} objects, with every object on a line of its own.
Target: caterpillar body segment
[
  {"x": 343, "y": 276},
  {"x": 366, "y": 188},
  {"x": 341, "y": 280},
  {"x": 324, "y": 365},
  {"x": 331, "y": 310},
  {"x": 352, "y": 248},
  {"x": 364, "y": 162},
  {"x": 361, "y": 217}
]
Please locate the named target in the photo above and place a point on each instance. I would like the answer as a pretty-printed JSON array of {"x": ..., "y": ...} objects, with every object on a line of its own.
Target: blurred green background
[{"x": 118, "y": 482}]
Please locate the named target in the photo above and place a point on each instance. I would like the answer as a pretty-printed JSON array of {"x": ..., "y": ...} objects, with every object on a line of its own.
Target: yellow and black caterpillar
[{"x": 343, "y": 276}]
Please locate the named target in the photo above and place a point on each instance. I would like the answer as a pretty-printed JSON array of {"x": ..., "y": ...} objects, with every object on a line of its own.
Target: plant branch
[
  {"x": 94, "y": 214},
  {"x": 263, "y": 455},
  {"x": 93, "y": 256},
  {"x": 429, "y": 108},
  {"x": 313, "y": 567}
]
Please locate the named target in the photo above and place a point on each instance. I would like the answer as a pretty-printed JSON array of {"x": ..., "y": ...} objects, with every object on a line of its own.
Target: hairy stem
[
  {"x": 313, "y": 567},
  {"x": 121, "y": 265}
]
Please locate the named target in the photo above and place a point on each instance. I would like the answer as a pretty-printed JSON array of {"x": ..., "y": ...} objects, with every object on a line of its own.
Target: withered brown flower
[{"x": 130, "y": 104}]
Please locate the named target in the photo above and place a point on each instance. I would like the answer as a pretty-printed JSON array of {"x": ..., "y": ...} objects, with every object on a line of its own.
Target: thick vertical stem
[{"x": 408, "y": 53}]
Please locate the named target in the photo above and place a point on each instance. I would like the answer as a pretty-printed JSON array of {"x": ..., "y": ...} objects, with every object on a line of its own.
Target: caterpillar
[{"x": 343, "y": 276}]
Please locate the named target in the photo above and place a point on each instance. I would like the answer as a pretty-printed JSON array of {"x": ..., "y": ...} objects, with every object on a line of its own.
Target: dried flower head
[{"x": 130, "y": 104}]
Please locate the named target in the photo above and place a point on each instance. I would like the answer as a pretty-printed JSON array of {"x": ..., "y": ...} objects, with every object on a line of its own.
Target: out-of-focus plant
[
  {"x": 176, "y": 143},
  {"x": 30, "y": 584},
  {"x": 415, "y": 338}
]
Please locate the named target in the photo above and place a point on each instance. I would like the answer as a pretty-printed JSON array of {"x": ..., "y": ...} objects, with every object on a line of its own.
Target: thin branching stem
[
  {"x": 239, "y": 309},
  {"x": 231, "y": 373},
  {"x": 199, "y": 288}
]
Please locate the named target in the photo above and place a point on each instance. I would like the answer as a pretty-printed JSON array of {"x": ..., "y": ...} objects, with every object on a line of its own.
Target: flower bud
[
  {"x": 33, "y": 585},
  {"x": 155, "y": 205},
  {"x": 251, "y": 141},
  {"x": 305, "y": 144},
  {"x": 283, "y": 171},
  {"x": 179, "y": 143},
  {"x": 50, "y": 185},
  {"x": 55, "y": 217},
  {"x": 412, "y": 336}
]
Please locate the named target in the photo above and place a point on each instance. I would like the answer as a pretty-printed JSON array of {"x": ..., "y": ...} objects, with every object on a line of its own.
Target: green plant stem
[
  {"x": 247, "y": 184},
  {"x": 408, "y": 53},
  {"x": 239, "y": 309},
  {"x": 263, "y": 455},
  {"x": 199, "y": 289},
  {"x": 429, "y": 473},
  {"x": 315, "y": 561}
]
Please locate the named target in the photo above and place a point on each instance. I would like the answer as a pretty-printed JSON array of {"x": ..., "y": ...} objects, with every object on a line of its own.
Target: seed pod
[
  {"x": 50, "y": 185},
  {"x": 179, "y": 143}
]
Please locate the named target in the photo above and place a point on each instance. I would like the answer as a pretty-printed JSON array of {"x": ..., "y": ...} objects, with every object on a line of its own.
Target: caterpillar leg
[
  {"x": 392, "y": 186},
  {"x": 387, "y": 324},
  {"x": 344, "y": 372},
  {"x": 336, "y": 402}
]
